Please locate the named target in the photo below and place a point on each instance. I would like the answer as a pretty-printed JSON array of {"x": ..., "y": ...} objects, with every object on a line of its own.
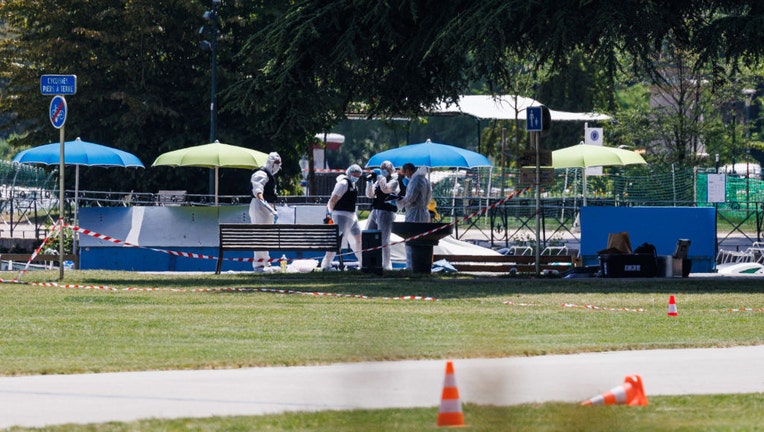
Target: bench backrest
[{"x": 292, "y": 237}]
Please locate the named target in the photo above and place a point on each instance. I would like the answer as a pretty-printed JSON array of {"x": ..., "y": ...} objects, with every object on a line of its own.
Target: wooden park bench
[
  {"x": 505, "y": 263},
  {"x": 40, "y": 258},
  {"x": 275, "y": 237}
]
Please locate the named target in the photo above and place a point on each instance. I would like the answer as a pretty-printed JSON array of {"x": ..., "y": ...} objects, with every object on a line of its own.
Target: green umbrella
[
  {"x": 215, "y": 155},
  {"x": 587, "y": 155}
]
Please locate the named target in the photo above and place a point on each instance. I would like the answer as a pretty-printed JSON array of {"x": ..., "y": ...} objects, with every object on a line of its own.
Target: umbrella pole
[
  {"x": 216, "y": 186},
  {"x": 564, "y": 188},
  {"x": 575, "y": 183},
  {"x": 583, "y": 176},
  {"x": 488, "y": 191},
  {"x": 454, "y": 193},
  {"x": 76, "y": 207}
]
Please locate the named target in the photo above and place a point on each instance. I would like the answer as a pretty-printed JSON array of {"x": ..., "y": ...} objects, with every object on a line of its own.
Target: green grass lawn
[
  {"x": 674, "y": 413},
  {"x": 196, "y": 321}
]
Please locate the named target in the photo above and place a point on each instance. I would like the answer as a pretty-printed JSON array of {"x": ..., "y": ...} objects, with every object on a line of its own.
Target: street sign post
[
  {"x": 58, "y": 86},
  {"x": 534, "y": 123},
  {"x": 51, "y": 85}
]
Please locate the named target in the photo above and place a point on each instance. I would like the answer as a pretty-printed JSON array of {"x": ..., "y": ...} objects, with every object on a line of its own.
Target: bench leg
[{"x": 219, "y": 265}]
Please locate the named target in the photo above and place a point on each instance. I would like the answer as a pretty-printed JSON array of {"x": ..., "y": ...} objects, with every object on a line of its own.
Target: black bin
[
  {"x": 421, "y": 237},
  {"x": 371, "y": 257}
]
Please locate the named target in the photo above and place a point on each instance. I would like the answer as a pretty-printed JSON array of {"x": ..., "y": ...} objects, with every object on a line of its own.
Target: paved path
[{"x": 89, "y": 398}]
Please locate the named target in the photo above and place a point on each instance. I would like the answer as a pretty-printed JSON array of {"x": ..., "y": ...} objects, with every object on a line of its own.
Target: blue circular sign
[
  {"x": 58, "y": 111},
  {"x": 594, "y": 135}
]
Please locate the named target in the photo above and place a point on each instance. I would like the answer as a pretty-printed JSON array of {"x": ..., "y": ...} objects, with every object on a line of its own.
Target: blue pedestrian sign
[
  {"x": 58, "y": 111},
  {"x": 533, "y": 119},
  {"x": 58, "y": 84}
]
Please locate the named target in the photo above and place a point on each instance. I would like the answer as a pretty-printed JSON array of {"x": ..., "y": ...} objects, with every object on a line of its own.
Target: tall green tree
[
  {"x": 143, "y": 81},
  {"x": 291, "y": 68},
  {"x": 402, "y": 57},
  {"x": 138, "y": 69},
  {"x": 317, "y": 59}
]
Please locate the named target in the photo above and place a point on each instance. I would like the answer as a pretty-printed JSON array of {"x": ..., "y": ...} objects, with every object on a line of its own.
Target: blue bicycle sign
[{"x": 58, "y": 111}]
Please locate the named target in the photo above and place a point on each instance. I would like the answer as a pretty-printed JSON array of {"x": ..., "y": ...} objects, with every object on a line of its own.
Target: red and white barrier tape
[
  {"x": 511, "y": 303},
  {"x": 326, "y": 170},
  {"x": 55, "y": 230},
  {"x": 59, "y": 227},
  {"x": 470, "y": 216},
  {"x": 118, "y": 241},
  {"x": 198, "y": 290},
  {"x": 310, "y": 293},
  {"x": 569, "y": 305}
]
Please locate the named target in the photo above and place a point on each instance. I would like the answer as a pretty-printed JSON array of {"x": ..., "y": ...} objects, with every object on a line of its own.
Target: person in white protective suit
[
  {"x": 262, "y": 207},
  {"x": 415, "y": 201},
  {"x": 383, "y": 189},
  {"x": 341, "y": 208}
]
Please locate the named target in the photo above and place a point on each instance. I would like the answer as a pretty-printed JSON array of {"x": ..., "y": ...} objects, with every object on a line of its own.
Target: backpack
[{"x": 646, "y": 248}]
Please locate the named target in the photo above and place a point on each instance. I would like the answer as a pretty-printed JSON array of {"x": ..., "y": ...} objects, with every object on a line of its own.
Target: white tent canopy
[
  {"x": 507, "y": 107},
  {"x": 331, "y": 138}
]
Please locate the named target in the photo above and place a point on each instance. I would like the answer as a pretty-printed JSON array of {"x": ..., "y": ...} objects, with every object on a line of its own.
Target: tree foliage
[
  {"x": 402, "y": 57},
  {"x": 143, "y": 83},
  {"x": 288, "y": 69}
]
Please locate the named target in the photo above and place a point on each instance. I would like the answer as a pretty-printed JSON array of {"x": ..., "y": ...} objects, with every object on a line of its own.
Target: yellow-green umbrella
[
  {"x": 215, "y": 155},
  {"x": 588, "y": 155}
]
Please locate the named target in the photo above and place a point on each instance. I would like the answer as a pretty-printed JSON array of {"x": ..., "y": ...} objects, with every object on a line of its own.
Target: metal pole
[
  {"x": 75, "y": 238},
  {"x": 61, "y": 206},
  {"x": 214, "y": 89},
  {"x": 502, "y": 168},
  {"x": 538, "y": 202}
]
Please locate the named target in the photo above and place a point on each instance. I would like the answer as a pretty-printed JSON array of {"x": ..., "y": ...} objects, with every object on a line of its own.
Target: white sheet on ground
[{"x": 446, "y": 246}]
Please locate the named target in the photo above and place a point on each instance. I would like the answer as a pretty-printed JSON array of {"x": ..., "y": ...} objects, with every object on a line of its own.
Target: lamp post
[
  {"x": 716, "y": 159},
  {"x": 734, "y": 146},
  {"x": 749, "y": 94},
  {"x": 212, "y": 17}
]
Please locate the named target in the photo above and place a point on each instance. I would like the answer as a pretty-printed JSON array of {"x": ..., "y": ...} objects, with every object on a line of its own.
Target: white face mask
[
  {"x": 275, "y": 168},
  {"x": 353, "y": 179}
]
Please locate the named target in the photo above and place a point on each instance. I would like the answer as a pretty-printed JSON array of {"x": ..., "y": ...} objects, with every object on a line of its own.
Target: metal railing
[{"x": 26, "y": 213}]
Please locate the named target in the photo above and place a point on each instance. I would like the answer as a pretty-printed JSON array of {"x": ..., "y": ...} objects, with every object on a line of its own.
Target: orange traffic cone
[
  {"x": 630, "y": 392},
  {"x": 450, "y": 412},
  {"x": 672, "y": 307}
]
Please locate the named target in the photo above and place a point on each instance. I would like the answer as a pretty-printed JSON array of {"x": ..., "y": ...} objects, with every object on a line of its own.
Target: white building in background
[
  {"x": 743, "y": 169},
  {"x": 324, "y": 173},
  {"x": 331, "y": 141}
]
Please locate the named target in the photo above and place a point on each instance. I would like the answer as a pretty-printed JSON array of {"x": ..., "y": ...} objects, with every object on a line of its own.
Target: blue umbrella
[
  {"x": 432, "y": 155},
  {"x": 78, "y": 153}
]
